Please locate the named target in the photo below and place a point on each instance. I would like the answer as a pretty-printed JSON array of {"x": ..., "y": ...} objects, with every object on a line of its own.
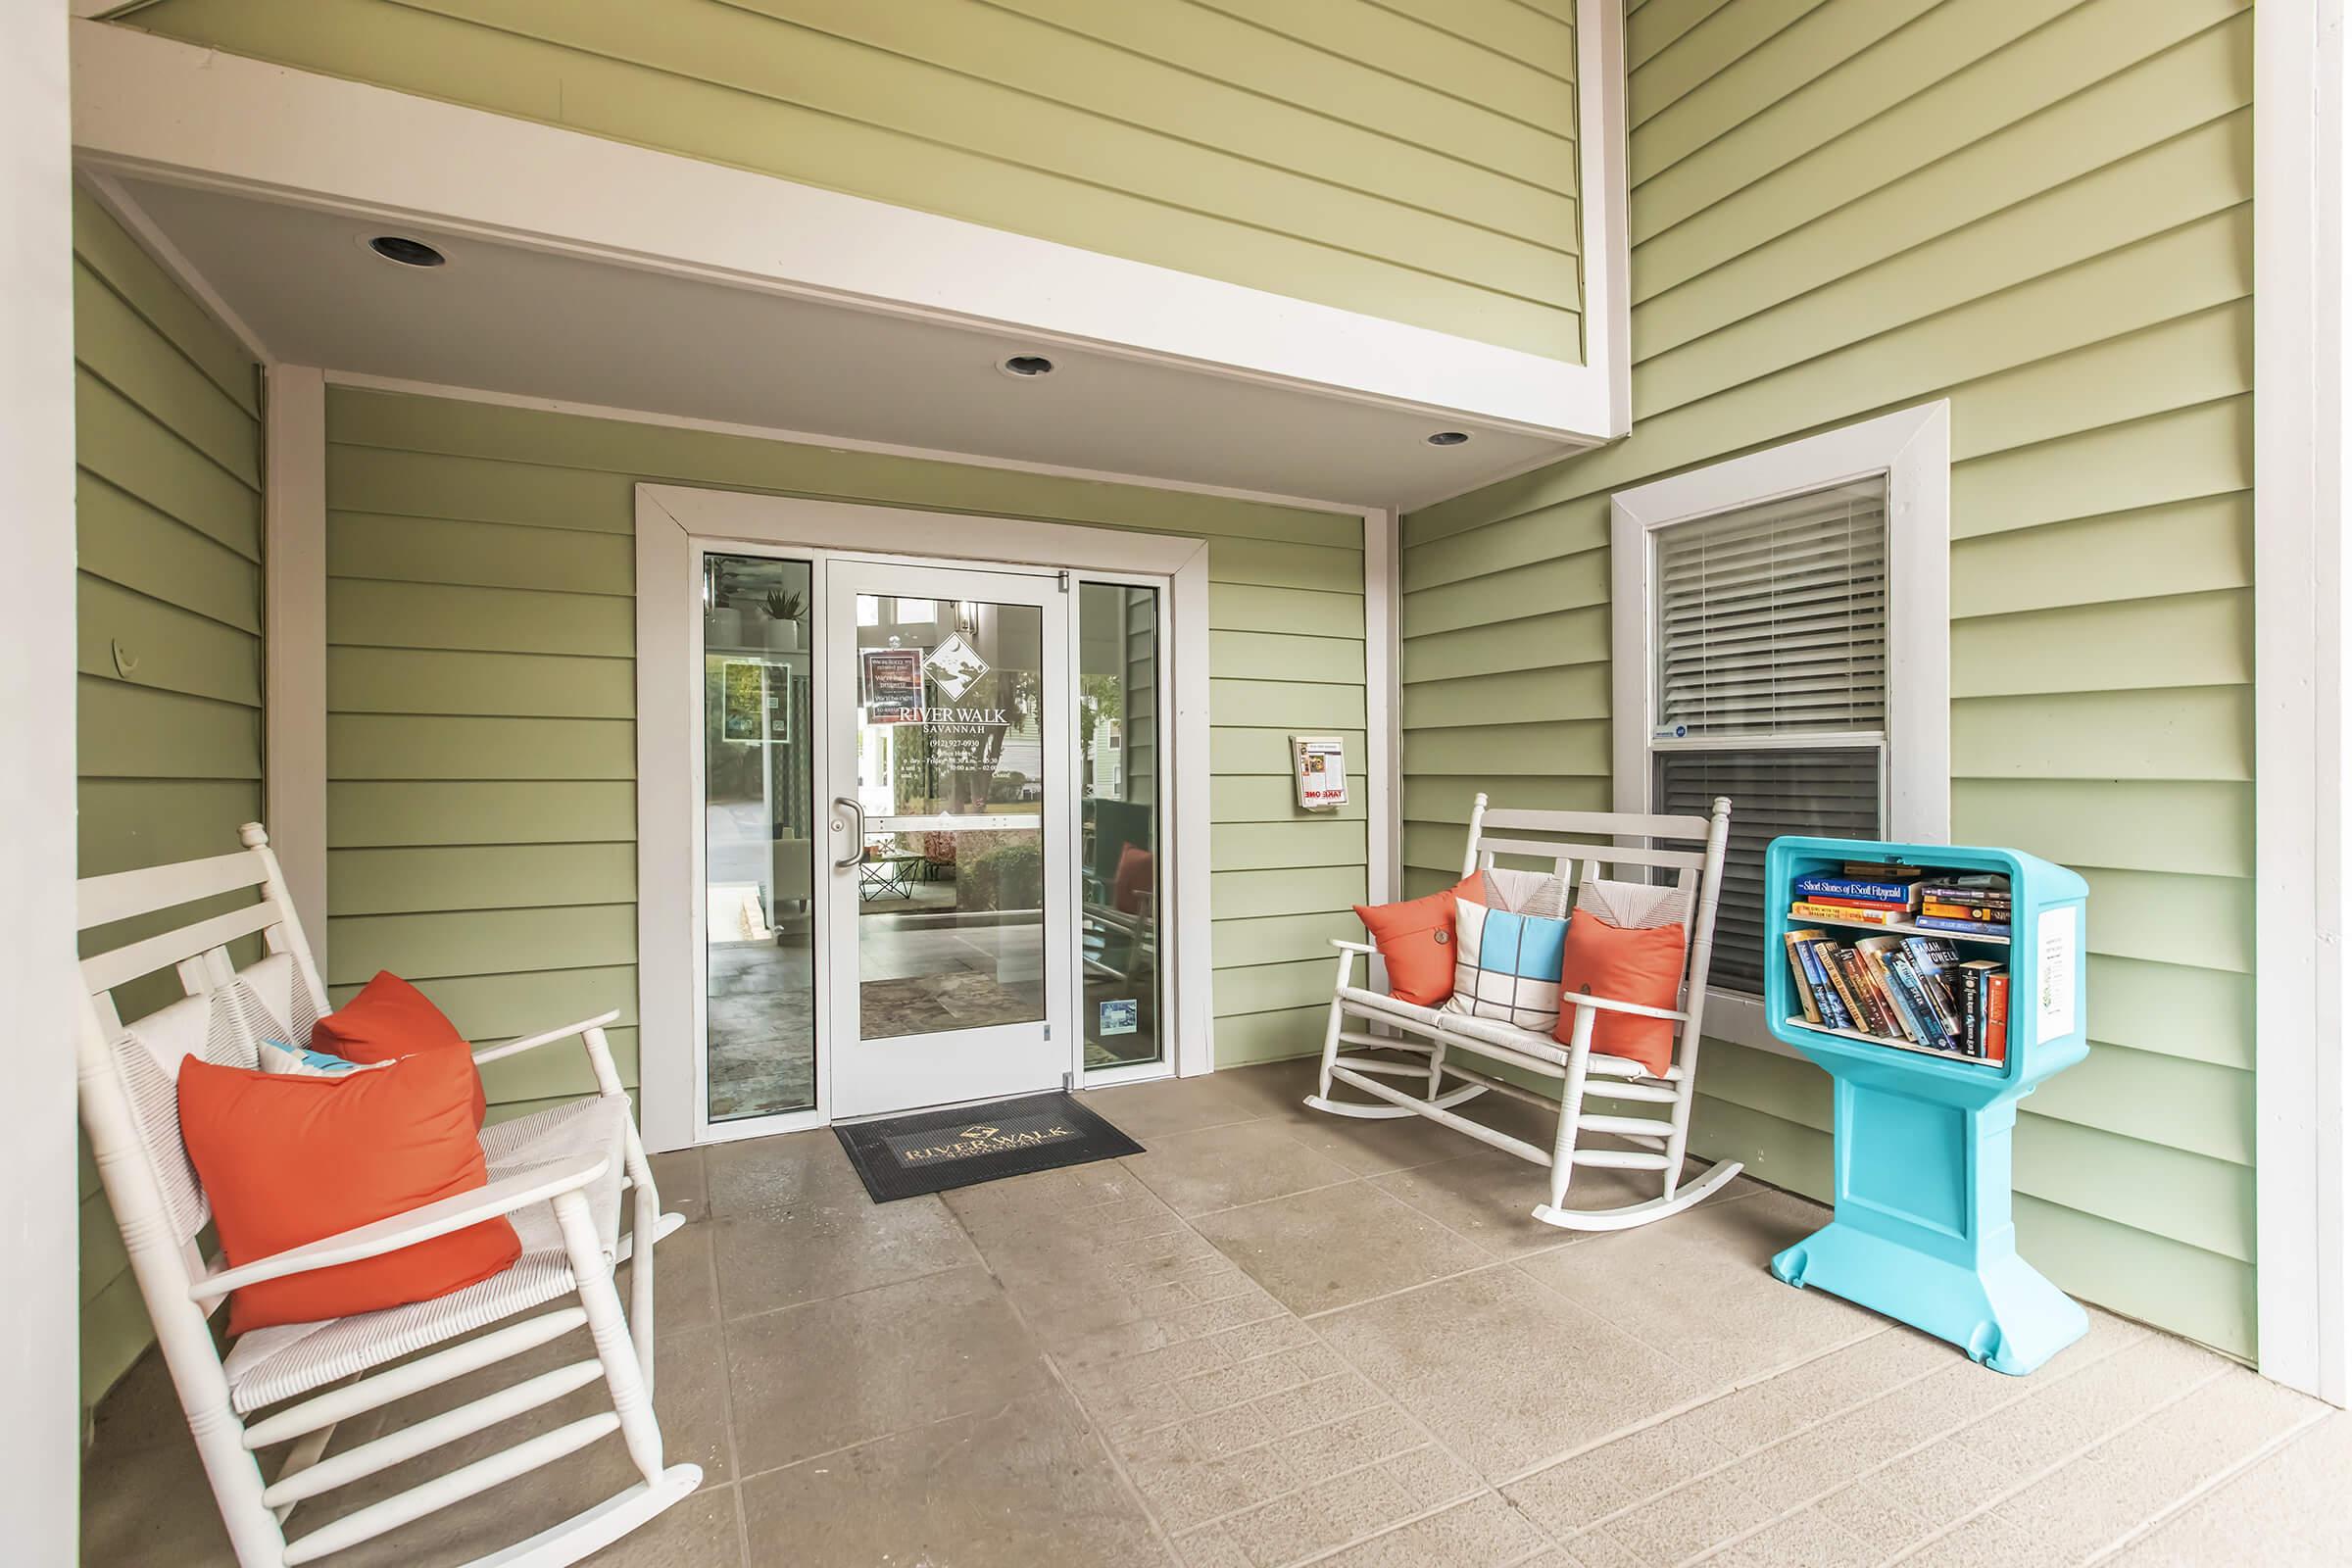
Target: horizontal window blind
[
  {"x": 1824, "y": 792},
  {"x": 1771, "y": 618}
]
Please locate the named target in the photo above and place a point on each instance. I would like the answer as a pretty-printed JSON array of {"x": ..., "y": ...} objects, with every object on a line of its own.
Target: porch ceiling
[{"x": 533, "y": 323}]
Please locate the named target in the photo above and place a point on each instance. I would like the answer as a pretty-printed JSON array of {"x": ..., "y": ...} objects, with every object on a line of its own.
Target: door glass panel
[
  {"x": 1118, "y": 780},
  {"x": 758, "y": 808},
  {"x": 951, "y": 771}
]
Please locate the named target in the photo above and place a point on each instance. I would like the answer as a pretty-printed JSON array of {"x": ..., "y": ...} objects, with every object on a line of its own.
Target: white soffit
[{"x": 594, "y": 272}]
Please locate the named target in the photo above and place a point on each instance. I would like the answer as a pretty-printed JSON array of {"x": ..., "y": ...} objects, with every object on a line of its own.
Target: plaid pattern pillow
[{"x": 1506, "y": 966}]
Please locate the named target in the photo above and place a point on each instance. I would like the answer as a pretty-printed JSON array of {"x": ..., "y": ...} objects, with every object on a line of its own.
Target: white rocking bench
[
  {"x": 557, "y": 1175},
  {"x": 1439, "y": 1035}
]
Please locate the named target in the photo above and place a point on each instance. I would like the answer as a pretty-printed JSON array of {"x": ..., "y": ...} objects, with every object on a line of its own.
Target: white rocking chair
[
  {"x": 1435, "y": 1033},
  {"x": 557, "y": 1175}
]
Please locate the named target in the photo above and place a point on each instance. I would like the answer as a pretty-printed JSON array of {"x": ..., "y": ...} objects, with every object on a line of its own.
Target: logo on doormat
[{"x": 980, "y": 1138}]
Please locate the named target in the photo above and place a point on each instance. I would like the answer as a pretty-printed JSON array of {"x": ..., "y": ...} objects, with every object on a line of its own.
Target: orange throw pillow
[
  {"x": 1415, "y": 939},
  {"x": 1641, "y": 967},
  {"x": 287, "y": 1159},
  {"x": 390, "y": 1018}
]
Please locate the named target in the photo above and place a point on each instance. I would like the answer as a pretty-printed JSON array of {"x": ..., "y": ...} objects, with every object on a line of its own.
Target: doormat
[{"x": 932, "y": 1150}]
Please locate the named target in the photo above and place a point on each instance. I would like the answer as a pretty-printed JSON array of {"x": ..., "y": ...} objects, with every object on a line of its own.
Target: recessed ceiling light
[
  {"x": 1026, "y": 364},
  {"x": 1449, "y": 438},
  {"x": 407, "y": 252}
]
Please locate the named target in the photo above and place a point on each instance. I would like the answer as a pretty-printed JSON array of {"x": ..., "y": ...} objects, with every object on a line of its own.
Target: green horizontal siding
[
  {"x": 169, "y": 629},
  {"x": 2038, "y": 208},
  {"x": 1416, "y": 162},
  {"x": 481, "y": 689}
]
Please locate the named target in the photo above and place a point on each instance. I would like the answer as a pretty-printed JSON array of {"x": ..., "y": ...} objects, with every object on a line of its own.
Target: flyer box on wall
[{"x": 1320, "y": 762}]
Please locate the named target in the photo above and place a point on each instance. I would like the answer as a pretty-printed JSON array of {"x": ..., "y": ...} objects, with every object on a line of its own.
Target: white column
[{"x": 40, "y": 1450}]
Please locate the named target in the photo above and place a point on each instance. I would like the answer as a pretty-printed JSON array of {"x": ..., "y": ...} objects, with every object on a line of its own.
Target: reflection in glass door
[
  {"x": 949, "y": 864},
  {"x": 758, "y": 813},
  {"x": 1120, "y": 778}
]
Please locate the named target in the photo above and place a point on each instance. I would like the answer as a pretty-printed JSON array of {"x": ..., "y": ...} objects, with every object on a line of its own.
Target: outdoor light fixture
[
  {"x": 1026, "y": 364},
  {"x": 407, "y": 252},
  {"x": 1449, "y": 438}
]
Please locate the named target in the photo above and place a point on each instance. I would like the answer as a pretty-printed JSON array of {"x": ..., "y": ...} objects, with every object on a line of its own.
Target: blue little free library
[{"x": 1937, "y": 985}]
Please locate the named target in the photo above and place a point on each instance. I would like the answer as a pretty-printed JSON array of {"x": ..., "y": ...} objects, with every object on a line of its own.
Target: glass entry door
[{"x": 949, "y": 879}]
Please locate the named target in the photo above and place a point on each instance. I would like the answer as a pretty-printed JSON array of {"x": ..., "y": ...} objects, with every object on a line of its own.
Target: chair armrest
[
  {"x": 1364, "y": 947},
  {"x": 1612, "y": 1004},
  {"x": 519, "y": 1189},
  {"x": 516, "y": 1048}
]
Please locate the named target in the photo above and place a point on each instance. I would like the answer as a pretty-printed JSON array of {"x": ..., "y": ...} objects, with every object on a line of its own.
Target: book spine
[
  {"x": 1924, "y": 1009},
  {"x": 1832, "y": 1008},
  {"x": 1838, "y": 962},
  {"x": 1827, "y": 902},
  {"x": 1929, "y": 964},
  {"x": 1972, "y": 1043},
  {"x": 1894, "y": 1020},
  {"x": 1966, "y": 928},
  {"x": 1841, "y": 887},
  {"x": 1963, "y": 912},
  {"x": 1944, "y": 893},
  {"x": 1996, "y": 1016},
  {"x": 1832, "y": 911},
  {"x": 1804, "y": 981}
]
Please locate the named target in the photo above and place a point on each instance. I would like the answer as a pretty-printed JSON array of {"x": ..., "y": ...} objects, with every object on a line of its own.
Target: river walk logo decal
[
  {"x": 956, "y": 667},
  {"x": 980, "y": 1138}
]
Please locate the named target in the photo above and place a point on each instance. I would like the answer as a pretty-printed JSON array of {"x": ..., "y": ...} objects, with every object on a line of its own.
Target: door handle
[{"x": 858, "y": 844}]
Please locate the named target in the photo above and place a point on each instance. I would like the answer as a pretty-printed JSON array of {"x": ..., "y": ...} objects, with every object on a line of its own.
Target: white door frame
[
  {"x": 963, "y": 1064},
  {"x": 674, "y": 523}
]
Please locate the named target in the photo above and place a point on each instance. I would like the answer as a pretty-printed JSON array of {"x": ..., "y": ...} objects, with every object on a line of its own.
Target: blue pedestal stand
[{"x": 1923, "y": 1230}]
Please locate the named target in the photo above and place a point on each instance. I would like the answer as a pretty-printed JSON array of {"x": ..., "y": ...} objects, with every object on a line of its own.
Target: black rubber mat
[{"x": 933, "y": 1150}]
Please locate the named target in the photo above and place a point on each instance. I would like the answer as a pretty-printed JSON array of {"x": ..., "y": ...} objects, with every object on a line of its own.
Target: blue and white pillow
[
  {"x": 303, "y": 1062},
  {"x": 1506, "y": 966}
]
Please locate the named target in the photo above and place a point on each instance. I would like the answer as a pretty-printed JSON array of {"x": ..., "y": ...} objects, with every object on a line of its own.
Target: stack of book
[
  {"x": 1974, "y": 906},
  {"x": 1861, "y": 892},
  {"x": 1914, "y": 991}
]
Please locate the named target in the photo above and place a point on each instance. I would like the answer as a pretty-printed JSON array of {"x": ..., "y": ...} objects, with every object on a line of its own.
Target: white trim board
[
  {"x": 2302, "y": 1100},
  {"x": 672, "y": 522},
  {"x": 294, "y": 638},
  {"x": 40, "y": 1309},
  {"x": 175, "y": 112},
  {"x": 1912, "y": 447}
]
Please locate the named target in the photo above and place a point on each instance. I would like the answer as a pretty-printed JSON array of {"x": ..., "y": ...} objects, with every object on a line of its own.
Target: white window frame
[{"x": 1912, "y": 448}]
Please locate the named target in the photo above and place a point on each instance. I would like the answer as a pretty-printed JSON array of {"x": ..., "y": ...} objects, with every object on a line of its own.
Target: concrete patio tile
[
  {"x": 1807, "y": 1537},
  {"x": 1699, "y": 1288},
  {"x": 1336, "y": 1246},
  {"x": 1483, "y": 1532},
  {"x": 1985, "y": 1541},
  {"x": 678, "y": 1178},
  {"x": 1581, "y": 1491},
  {"x": 827, "y": 1374},
  {"x": 1503, "y": 1372},
  {"x": 1048, "y": 1199},
  {"x": 1148, "y": 1112},
  {"x": 1872, "y": 1514},
  {"x": 783, "y": 1174},
  {"x": 2264, "y": 1514},
  {"x": 1016, "y": 1484},
  {"x": 2098, "y": 1501},
  {"x": 1747, "y": 1419},
  {"x": 830, "y": 1247},
  {"x": 1220, "y": 1167}
]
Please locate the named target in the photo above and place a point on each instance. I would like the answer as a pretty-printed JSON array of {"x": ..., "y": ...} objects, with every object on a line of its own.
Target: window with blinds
[{"x": 1768, "y": 632}]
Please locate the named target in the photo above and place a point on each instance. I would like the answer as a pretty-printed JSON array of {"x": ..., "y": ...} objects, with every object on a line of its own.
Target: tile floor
[{"x": 1277, "y": 1338}]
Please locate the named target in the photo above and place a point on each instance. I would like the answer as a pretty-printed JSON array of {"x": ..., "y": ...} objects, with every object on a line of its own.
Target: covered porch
[{"x": 1279, "y": 1339}]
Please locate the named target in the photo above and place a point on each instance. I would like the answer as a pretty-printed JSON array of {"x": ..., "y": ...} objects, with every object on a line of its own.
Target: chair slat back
[
  {"x": 1629, "y": 840},
  {"x": 129, "y": 1073}
]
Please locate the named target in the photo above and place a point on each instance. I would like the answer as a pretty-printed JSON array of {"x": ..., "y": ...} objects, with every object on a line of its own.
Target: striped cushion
[{"x": 1506, "y": 966}]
